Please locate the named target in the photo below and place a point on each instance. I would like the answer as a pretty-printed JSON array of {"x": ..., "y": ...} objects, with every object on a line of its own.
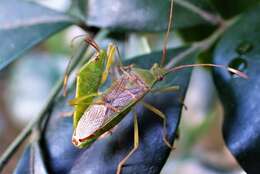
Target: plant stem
[
  {"x": 54, "y": 93},
  {"x": 27, "y": 130},
  {"x": 209, "y": 17},
  {"x": 201, "y": 45}
]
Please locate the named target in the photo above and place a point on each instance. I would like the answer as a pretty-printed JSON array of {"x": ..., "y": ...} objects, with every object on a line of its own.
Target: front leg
[
  {"x": 173, "y": 88},
  {"x": 110, "y": 59},
  {"x": 83, "y": 99}
]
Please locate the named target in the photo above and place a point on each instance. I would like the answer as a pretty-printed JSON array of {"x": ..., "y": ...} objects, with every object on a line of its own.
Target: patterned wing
[
  {"x": 123, "y": 100},
  {"x": 127, "y": 96},
  {"x": 92, "y": 120},
  {"x": 117, "y": 88}
]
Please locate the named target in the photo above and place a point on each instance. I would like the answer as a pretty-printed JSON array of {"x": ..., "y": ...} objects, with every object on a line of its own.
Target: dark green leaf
[
  {"x": 233, "y": 7},
  {"x": 140, "y": 15},
  {"x": 23, "y": 25},
  {"x": 240, "y": 48},
  {"x": 78, "y": 8}
]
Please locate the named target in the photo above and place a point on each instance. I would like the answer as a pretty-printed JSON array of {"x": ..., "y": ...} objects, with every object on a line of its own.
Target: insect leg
[
  {"x": 167, "y": 89},
  {"x": 161, "y": 115},
  {"x": 80, "y": 100},
  {"x": 136, "y": 144},
  {"x": 115, "y": 74},
  {"x": 170, "y": 89},
  {"x": 110, "y": 59}
]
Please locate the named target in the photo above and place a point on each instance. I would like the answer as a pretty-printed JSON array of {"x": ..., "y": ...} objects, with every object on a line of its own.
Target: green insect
[
  {"x": 90, "y": 77},
  {"x": 97, "y": 113}
]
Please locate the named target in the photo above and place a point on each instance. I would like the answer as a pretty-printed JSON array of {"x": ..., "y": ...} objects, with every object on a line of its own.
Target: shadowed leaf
[
  {"x": 140, "y": 15},
  {"x": 240, "y": 48},
  {"x": 25, "y": 24}
]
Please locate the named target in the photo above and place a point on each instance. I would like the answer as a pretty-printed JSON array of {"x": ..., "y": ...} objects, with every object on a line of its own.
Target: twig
[
  {"x": 211, "y": 18},
  {"x": 27, "y": 130},
  {"x": 201, "y": 45},
  {"x": 54, "y": 93}
]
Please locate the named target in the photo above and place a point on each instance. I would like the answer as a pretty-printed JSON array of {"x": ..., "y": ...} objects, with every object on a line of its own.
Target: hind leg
[
  {"x": 162, "y": 116},
  {"x": 136, "y": 145}
]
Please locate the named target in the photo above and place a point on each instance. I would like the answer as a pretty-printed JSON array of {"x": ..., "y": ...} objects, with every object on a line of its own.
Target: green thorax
[
  {"x": 88, "y": 82},
  {"x": 151, "y": 76}
]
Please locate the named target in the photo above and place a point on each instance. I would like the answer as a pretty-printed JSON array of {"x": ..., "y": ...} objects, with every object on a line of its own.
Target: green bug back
[
  {"x": 150, "y": 77},
  {"x": 88, "y": 82},
  {"x": 145, "y": 75}
]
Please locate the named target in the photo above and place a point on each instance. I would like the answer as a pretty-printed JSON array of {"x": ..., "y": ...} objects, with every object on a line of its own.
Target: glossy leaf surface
[
  {"x": 140, "y": 15},
  {"x": 240, "y": 48},
  {"x": 25, "y": 24}
]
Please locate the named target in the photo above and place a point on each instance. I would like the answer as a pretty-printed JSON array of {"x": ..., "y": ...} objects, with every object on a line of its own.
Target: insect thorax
[{"x": 130, "y": 86}]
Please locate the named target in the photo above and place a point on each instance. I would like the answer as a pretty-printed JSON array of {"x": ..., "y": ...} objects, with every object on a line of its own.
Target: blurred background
[{"x": 200, "y": 149}]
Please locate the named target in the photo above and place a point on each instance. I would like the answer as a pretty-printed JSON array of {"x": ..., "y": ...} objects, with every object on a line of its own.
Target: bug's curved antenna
[
  {"x": 75, "y": 38},
  {"x": 87, "y": 39},
  {"x": 235, "y": 71},
  {"x": 166, "y": 38},
  {"x": 92, "y": 43},
  {"x": 66, "y": 77},
  {"x": 120, "y": 60}
]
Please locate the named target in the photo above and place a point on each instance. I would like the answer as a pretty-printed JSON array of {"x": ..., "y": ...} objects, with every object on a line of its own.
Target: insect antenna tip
[{"x": 237, "y": 72}]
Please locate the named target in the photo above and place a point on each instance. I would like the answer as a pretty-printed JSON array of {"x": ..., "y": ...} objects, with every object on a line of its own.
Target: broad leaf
[
  {"x": 140, "y": 15},
  {"x": 78, "y": 8},
  {"x": 240, "y": 48},
  {"x": 23, "y": 25}
]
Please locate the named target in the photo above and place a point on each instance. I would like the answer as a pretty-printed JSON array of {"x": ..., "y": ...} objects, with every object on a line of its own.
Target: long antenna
[
  {"x": 235, "y": 71},
  {"x": 166, "y": 38},
  {"x": 66, "y": 77},
  {"x": 75, "y": 38},
  {"x": 91, "y": 42}
]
